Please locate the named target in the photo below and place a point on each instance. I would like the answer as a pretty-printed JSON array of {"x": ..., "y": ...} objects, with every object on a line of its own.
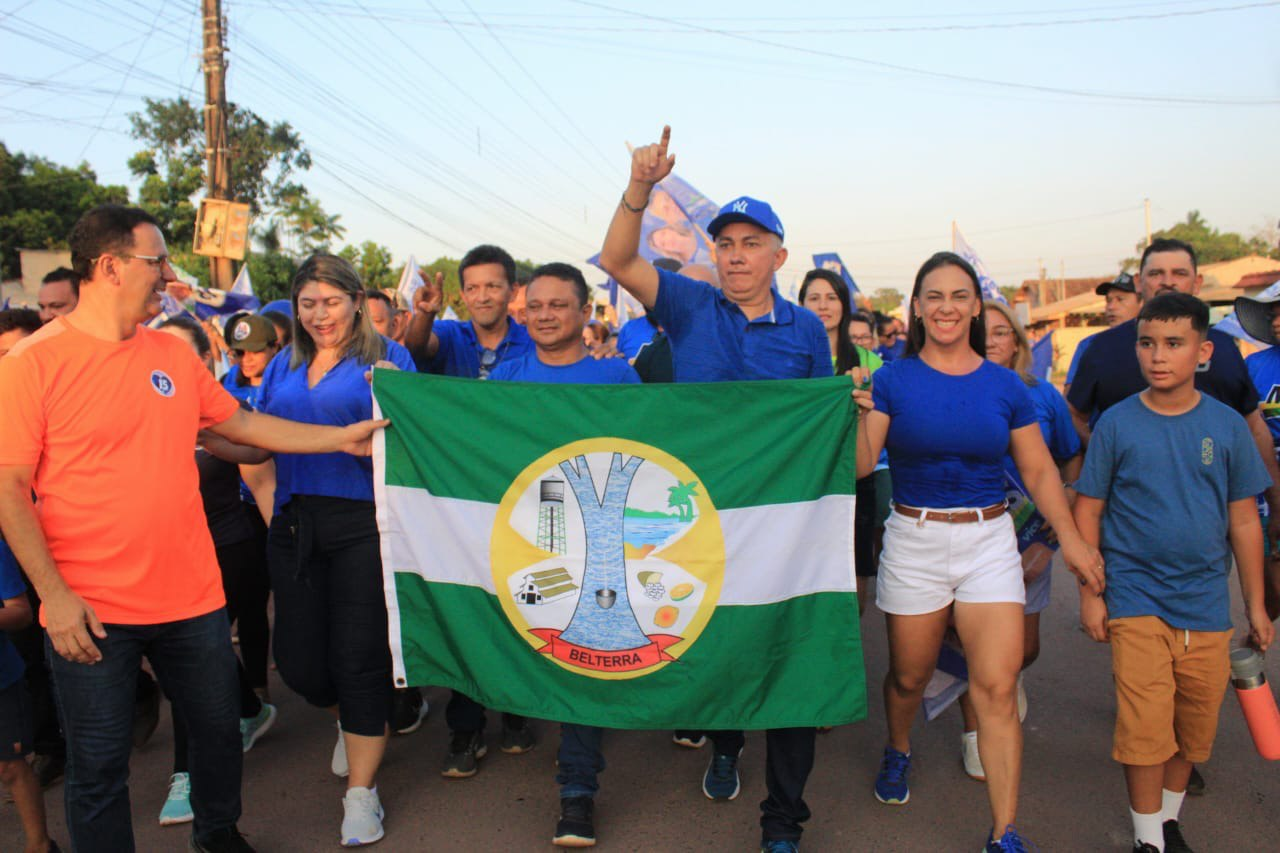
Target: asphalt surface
[{"x": 1073, "y": 796}]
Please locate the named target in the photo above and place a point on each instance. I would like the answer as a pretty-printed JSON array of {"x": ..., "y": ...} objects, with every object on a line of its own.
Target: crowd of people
[{"x": 256, "y": 437}]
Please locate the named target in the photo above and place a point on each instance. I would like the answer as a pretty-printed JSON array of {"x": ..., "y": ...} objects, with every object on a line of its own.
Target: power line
[{"x": 939, "y": 75}]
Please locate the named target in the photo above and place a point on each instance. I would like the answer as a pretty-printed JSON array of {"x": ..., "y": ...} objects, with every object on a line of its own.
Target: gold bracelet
[{"x": 628, "y": 206}]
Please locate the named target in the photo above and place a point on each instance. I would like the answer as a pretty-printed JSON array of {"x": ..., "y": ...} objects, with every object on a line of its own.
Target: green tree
[
  {"x": 1211, "y": 245},
  {"x": 271, "y": 274},
  {"x": 40, "y": 201},
  {"x": 265, "y": 159},
  {"x": 373, "y": 262},
  {"x": 886, "y": 299}
]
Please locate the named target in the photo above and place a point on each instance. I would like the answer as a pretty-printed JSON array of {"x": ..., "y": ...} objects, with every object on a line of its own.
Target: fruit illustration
[
  {"x": 681, "y": 591},
  {"x": 652, "y": 583},
  {"x": 666, "y": 616}
]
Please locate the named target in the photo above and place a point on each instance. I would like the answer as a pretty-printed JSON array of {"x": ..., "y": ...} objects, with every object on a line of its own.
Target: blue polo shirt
[
  {"x": 341, "y": 397},
  {"x": 586, "y": 371},
  {"x": 634, "y": 334},
  {"x": 713, "y": 341},
  {"x": 459, "y": 353},
  {"x": 11, "y": 586}
]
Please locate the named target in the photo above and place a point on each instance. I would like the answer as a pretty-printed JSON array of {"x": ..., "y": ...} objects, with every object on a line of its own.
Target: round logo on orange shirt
[{"x": 161, "y": 383}]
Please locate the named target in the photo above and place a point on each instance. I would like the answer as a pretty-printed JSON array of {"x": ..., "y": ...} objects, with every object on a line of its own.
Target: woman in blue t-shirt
[
  {"x": 323, "y": 546},
  {"x": 948, "y": 418}
]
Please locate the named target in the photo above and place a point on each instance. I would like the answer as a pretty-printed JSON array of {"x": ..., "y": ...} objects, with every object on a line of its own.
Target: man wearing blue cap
[{"x": 742, "y": 330}]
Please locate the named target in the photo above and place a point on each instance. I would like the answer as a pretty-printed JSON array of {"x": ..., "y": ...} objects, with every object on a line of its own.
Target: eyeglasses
[
  {"x": 488, "y": 359},
  {"x": 154, "y": 260},
  {"x": 862, "y": 339},
  {"x": 1001, "y": 334}
]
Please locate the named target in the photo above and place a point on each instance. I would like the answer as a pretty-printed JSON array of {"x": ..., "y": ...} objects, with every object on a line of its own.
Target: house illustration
[{"x": 545, "y": 586}]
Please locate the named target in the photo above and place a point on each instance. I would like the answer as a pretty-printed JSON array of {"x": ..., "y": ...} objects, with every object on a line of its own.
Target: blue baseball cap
[
  {"x": 284, "y": 306},
  {"x": 747, "y": 209}
]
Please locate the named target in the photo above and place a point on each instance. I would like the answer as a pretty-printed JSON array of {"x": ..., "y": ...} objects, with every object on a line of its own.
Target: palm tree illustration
[
  {"x": 603, "y": 618},
  {"x": 681, "y": 498}
]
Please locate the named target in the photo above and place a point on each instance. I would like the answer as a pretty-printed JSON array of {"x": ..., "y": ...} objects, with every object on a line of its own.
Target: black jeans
[
  {"x": 46, "y": 731},
  {"x": 331, "y": 614},
  {"x": 464, "y": 714},
  {"x": 788, "y": 760},
  {"x": 247, "y": 584},
  {"x": 196, "y": 667}
]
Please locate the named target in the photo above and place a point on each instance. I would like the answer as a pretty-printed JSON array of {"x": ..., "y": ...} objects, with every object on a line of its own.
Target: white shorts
[{"x": 925, "y": 567}]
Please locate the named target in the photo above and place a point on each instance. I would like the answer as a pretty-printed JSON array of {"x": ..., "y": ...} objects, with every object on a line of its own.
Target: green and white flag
[{"x": 628, "y": 556}]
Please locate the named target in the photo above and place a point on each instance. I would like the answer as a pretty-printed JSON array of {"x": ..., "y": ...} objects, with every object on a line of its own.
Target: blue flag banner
[
  {"x": 1042, "y": 358},
  {"x": 831, "y": 261},
  {"x": 675, "y": 227},
  {"x": 1231, "y": 325},
  {"x": 210, "y": 302},
  {"x": 990, "y": 290},
  {"x": 243, "y": 285}
]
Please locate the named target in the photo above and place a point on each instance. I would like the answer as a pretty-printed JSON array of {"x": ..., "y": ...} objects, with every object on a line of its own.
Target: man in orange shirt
[{"x": 101, "y": 415}]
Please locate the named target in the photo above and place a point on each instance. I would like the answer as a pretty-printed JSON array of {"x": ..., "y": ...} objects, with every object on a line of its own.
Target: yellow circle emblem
[{"x": 608, "y": 557}]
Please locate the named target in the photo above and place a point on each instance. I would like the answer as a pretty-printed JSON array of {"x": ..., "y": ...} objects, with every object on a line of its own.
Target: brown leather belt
[{"x": 966, "y": 516}]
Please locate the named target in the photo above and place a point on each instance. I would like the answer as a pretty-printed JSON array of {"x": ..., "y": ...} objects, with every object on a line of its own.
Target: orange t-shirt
[{"x": 110, "y": 429}]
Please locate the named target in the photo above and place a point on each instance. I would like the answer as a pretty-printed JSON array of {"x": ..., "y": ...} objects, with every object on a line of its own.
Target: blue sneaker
[
  {"x": 891, "y": 781},
  {"x": 252, "y": 728},
  {"x": 721, "y": 780},
  {"x": 779, "y": 847},
  {"x": 177, "y": 806},
  {"x": 1010, "y": 842}
]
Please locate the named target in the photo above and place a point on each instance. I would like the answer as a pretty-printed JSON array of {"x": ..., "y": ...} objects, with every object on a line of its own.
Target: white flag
[
  {"x": 410, "y": 281},
  {"x": 242, "y": 285}
]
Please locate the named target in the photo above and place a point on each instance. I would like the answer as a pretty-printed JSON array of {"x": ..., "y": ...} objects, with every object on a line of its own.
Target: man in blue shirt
[
  {"x": 743, "y": 330},
  {"x": 470, "y": 348},
  {"x": 1123, "y": 302}
]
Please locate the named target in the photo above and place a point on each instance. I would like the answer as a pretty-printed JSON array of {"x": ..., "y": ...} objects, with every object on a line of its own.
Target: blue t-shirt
[
  {"x": 949, "y": 435},
  {"x": 1167, "y": 480},
  {"x": 11, "y": 586},
  {"x": 588, "y": 371},
  {"x": 634, "y": 334},
  {"x": 341, "y": 397},
  {"x": 460, "y": 354},
  {"x": 893, "y": 353},
  {"x": 247, "y": 394},
  {"x": 1264, "y": 370},
  {"x": 1076, "y": 356},
  {"x": 712, "y": 340}
]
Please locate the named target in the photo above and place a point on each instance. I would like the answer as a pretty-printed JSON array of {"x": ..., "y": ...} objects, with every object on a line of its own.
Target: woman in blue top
[
  {"x": 323, "y": 548},
  {"x": 948, "y": 418},
  {"x": 1007, "y": 346}
]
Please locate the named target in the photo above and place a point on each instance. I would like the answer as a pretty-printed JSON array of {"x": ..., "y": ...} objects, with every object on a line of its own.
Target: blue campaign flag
[
  {"x": 243, "y": 285},
  {"x": 210, "y": 302},
  {"x": 1042, "y": 358},
  {"x": 674, "y": 226},
  {"x": 831, "y": 261},
  {"x": 6, "y": 304},
  {"x": 990, "y": 290}
]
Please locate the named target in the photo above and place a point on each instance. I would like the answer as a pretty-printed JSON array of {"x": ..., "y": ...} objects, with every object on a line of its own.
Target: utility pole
[
  {"x": 1062, "y": 279},
  {"x": 217, "y": 153},
  {"x": 1146, "y": 210}
]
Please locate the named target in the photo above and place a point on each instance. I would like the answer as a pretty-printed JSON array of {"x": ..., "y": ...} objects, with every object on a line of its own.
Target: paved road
[{"x": 1072, "y": 794}]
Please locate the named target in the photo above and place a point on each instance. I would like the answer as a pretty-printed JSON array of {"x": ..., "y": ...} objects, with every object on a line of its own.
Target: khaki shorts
[{"x": 1170, "y": 685}]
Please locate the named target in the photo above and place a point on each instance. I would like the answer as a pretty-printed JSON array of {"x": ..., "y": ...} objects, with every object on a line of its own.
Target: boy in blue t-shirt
[
  {"x": 1168, "y": 493},
  {"x": 18, "y": 778}
]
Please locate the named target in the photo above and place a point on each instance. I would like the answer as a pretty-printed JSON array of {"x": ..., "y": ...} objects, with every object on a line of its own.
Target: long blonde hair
[
  {"x": 365, "y": 343},
  {"x": 1022, "y": 347}
]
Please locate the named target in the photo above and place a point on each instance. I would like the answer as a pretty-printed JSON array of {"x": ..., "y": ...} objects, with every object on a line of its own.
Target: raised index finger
[{"x": 666, "y": 139}]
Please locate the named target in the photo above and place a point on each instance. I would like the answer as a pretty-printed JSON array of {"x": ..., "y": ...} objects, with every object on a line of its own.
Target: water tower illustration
[{"x": 551, "y": 537}]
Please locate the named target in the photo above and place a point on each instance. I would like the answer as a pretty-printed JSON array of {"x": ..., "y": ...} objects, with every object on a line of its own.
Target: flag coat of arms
[{"x": 662, "y": 556}]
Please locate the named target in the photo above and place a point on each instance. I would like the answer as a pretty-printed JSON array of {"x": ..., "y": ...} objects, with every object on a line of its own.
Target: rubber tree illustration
[{"x": 603, "y": 618}]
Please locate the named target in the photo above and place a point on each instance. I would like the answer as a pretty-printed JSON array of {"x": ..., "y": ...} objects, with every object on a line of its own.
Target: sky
[{"x": 434, "y": 126}]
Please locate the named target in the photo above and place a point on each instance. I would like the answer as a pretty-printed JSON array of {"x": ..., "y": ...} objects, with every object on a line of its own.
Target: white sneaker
[
  {"x": 361, "y": 817},
  {"x": 339, "y": 764},
  {"x": 969, "y": 754},
  {"x": 1022, "y": 700}
]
